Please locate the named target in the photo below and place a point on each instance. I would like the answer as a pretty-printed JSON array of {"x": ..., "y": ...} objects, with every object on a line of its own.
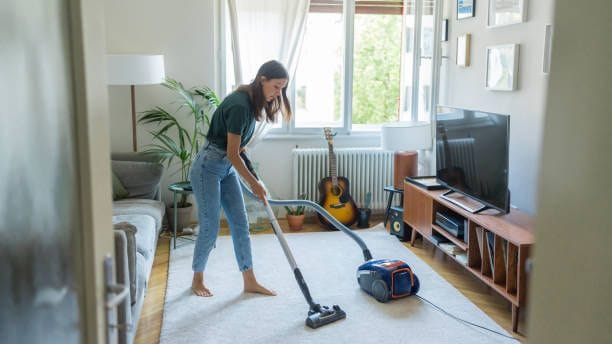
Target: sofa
[{"x": 138, "y": 218}]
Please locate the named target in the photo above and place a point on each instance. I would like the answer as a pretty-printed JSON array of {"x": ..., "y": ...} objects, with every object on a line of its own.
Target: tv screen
[{"x": 472, "y": 154}]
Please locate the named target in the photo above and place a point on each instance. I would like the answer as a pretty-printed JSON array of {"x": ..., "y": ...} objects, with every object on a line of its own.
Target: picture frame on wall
[
  {"x": 502, "y": 67},
  {"x": 463, "y": 50},
  {"x": 548, "y": 33},
  {"x": 444, "y": 35},
  {"x": 506, "y": 12},
  {"x": 465, "y": 9}
]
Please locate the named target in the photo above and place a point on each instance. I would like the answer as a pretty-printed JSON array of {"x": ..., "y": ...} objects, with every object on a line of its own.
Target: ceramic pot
[
  {"x": 183, "y": 217},
  {"x": 296, "y": 222}
]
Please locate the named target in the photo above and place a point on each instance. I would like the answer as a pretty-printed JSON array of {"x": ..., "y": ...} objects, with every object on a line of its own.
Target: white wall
[
  {"x": 572, "y": 279},
  {"x": 180, "y": 30},
  {"x": 465, "y": 87},
  {"x": 184, "y": 33}
]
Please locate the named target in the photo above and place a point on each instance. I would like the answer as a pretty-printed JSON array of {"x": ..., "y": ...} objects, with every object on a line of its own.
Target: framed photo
[
  {"x": 465, "y": 8},
  {"x": 502, "y": 67},
  {"x": 548, "y": 32},
  {"x": 444, "y": 35},
  {"x": 463, "y": 50},
  {"x": 506, "y": 12}
]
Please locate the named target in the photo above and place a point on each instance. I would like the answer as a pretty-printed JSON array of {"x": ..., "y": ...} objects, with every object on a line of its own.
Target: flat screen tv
[{"x": 472, "y": 156}]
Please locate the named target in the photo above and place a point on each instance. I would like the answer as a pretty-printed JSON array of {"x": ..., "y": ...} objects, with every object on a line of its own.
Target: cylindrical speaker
[{"x": 405, "y": 164}]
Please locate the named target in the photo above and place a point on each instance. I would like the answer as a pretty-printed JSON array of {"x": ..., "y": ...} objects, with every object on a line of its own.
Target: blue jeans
[{"x": 215, "y": 185}]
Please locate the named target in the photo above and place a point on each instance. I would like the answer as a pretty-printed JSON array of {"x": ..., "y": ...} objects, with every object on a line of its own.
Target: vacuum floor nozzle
[{"x": 323, "y": 315}]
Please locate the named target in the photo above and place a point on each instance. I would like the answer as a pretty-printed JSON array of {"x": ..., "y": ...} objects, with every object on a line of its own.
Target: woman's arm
[{"x": 233, "y": 154}]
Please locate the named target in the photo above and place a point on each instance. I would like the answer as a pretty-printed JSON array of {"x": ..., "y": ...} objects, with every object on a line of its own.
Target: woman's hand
[{"x": 259, "y": 190}]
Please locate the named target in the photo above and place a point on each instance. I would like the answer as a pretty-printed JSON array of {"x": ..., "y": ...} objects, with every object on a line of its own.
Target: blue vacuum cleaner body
[{"x": 387, "y": 279}]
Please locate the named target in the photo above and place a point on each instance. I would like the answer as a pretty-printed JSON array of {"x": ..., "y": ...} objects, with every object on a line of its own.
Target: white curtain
[{"x": 265, "y": 30}]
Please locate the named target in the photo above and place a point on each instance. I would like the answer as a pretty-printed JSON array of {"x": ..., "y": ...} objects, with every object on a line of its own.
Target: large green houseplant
[{"x": 180, "y": 139}]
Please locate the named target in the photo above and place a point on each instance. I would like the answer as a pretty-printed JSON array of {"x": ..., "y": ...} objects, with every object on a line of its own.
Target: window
[
  {"x": 367, "y": 93},
  {"x": 358, "y": 67}
]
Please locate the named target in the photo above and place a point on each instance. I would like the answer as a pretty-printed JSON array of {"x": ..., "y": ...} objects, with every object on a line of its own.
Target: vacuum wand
[{"x": 317, "y": 315}]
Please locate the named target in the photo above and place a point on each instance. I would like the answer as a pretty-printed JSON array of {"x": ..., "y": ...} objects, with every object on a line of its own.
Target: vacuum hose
[{"x": 319, "y": 209}]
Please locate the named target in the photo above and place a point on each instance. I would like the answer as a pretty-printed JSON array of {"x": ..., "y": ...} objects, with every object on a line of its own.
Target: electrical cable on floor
[{"x": 463, "y": 320}]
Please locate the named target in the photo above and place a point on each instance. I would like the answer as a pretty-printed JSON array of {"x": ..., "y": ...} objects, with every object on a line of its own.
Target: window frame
[{"x": 349, "y": 8}]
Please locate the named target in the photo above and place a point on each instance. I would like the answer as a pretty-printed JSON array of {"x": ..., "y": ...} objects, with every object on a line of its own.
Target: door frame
[{"x": 95, "y": 238}]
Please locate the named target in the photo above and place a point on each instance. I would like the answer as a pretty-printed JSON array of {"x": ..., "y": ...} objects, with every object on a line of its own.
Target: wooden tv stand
[{"x": 495, "y": 248}]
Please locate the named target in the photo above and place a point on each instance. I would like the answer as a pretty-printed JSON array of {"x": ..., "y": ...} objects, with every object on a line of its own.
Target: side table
[
  {"x": 179, "y": 188},
  {"x": 392, "y": 191}
]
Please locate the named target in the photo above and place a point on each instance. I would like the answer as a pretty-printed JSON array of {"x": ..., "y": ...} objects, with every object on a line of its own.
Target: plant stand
[{"x": 177, "y": 188}]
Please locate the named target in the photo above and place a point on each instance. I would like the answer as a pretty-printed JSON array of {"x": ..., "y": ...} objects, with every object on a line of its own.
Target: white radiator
[{"x": 367, "y": 169}]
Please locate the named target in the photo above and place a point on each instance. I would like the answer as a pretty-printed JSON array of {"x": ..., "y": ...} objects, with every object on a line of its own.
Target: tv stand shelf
[{"x": 494, "y": 248}]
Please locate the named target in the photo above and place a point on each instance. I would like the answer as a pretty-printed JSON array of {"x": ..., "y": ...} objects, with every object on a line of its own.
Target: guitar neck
[{"x": 332, "y": 165}]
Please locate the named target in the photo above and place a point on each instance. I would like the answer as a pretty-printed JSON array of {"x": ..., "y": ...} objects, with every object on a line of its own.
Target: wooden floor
[{"x": 493, "y": 305}]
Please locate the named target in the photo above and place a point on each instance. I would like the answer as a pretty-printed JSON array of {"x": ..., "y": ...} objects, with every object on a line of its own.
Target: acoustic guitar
[{"x": 335, "y": 196}]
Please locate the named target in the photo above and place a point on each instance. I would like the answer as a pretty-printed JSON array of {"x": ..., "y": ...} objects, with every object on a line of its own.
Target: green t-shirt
[{"x": 234, "y": 115}]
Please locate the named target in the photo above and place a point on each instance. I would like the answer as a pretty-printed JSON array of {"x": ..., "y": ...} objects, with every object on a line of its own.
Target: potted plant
[
  {"x": 363, "y": 214},
  {"x": 295, "y": 215},
  {"x": 177, "y": 139}
]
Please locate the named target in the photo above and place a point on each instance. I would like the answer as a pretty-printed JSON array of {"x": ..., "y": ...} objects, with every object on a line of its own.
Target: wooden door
[{"x": 55, "y": 219}]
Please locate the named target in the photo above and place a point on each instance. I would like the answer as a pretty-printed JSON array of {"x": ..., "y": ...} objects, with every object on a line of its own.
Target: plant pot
[
  {"x": 183, "y": 218},
  {"x": 363, "y": 217},
  {"x": 296, "y": 222}
]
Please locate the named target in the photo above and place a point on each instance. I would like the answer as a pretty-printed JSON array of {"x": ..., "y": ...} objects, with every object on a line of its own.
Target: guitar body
[
  {"x": 337, "y": 201},
  {"x": 334, "y": 190}
]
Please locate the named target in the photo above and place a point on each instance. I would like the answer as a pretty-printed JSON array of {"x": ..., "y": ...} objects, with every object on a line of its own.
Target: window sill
[{"x": 318, "y": 136}]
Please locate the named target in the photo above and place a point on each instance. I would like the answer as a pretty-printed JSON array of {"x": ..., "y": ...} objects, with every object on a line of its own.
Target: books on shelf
[
  {"x": 438, "y": 238},
  {"x": 479, "y": 234},
  {"x": 491, "y": 244},
  {"x": 505, "y": 252},
  {"x": 462, "y": 258},
  {"x": 451, "y": 248}
]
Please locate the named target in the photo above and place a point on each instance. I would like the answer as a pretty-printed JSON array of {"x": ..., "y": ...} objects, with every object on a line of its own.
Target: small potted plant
[
  {"x": 363, "y": 214},
  {"x": 295, "y": 215}
]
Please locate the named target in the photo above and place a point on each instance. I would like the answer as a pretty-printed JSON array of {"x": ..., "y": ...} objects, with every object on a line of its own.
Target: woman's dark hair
[{"x": 270, "y": 70}]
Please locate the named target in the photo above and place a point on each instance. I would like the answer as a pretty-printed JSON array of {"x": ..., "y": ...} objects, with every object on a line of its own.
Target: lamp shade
[
  {"x": 401, "y": 136},
  {"x": 135, "y": 69}
]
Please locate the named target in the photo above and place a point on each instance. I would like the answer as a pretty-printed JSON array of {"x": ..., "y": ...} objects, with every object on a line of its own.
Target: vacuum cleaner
[{"x": 384, "y": 279}]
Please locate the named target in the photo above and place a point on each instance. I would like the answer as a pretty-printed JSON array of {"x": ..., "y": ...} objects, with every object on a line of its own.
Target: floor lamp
[
  {"x": 405, "y": 138},
  {"x": 135, "y": 70}
]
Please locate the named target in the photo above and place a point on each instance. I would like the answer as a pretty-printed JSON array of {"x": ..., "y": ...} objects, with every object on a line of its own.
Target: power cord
[{"x": 463, "y": 320}]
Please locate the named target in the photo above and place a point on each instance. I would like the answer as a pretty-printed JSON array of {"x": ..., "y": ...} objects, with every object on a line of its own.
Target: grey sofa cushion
[
  {"x": 140, "y": 178},
  {"x": 119, "y": 190},
  {"x": 123, "y": 272},
  {"x": 129, "y": 231},
  {"x": 146, "y": 236},
  {"x": 133, "y": 206},
  {"x": 143, "y": 269}
]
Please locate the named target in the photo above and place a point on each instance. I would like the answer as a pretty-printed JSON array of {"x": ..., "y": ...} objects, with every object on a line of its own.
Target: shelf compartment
[
  {"x": 487, "y": 256},
  {"x": 512, "y": 270},
  {"x": 474, "y": 249},
  {"x": 500, "y": 267},
  {"x": 501, "y": 290},
  {"x": 449, "y": 236},
  {"x": 453, "y": 256}
]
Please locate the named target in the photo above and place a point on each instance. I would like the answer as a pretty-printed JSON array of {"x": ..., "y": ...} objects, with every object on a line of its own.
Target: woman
[{"x": 214, "y": 173}]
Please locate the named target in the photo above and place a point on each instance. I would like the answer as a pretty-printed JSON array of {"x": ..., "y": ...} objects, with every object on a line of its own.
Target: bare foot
[
  {"x": 258, "y": 289},
  {"x": 197, "y": 285},
  {"x": 252, "y": 286}
]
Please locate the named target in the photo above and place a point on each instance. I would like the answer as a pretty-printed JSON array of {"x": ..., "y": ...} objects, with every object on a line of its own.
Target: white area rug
[{"x": 328, "y": 261}]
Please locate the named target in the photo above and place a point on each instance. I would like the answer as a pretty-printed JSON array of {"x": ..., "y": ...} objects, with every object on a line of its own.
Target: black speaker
[{"x": 397, "y": 226}]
